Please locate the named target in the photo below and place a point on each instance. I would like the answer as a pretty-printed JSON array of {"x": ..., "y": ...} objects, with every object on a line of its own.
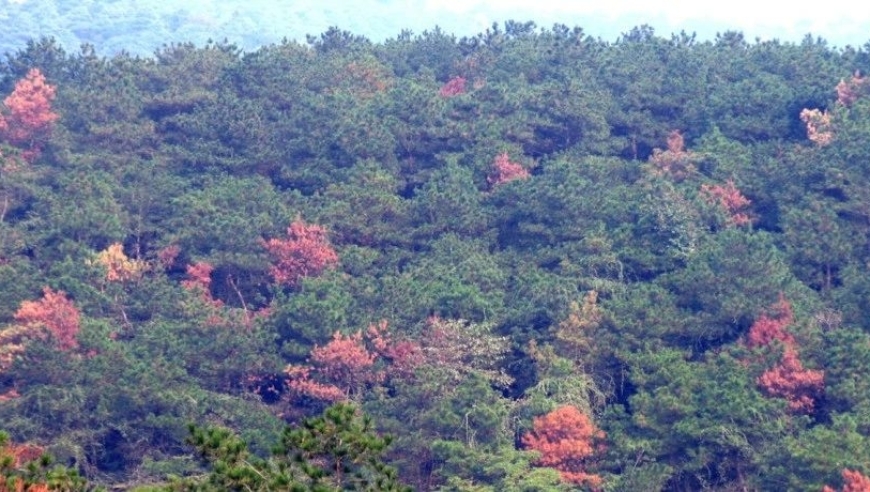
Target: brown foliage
[
  {"x": 28, "y": 113},
  {"x": 575, "y": 333},
  {"x": 819, "y": 127},
  {"x": 18, "y": 456},
  {"x": 13, "y": 341},
  {"x": 851, "y": 91},
  {"x": 771, "y": 326},
  {"x": 566, "y": 439},
  {"x": 675, "y": 162},
  {"x": 54, "y": 312},
  {"x": 120, "y": 268},
  {"x": 306, "y": 252},
  {"x": 453, "y": 87},
  {"x": 342, "y": 368},
  {"x": 503, "y": 170},
  {"x": 853, "y": 481},
  {"x": 788, "y": 379},
  {"x": 730, "y": 199},
  {"x": 199, "y": 278}
]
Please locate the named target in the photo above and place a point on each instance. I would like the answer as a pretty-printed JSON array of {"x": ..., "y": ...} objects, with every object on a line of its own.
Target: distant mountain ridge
[{"x": 141, "y": 27}]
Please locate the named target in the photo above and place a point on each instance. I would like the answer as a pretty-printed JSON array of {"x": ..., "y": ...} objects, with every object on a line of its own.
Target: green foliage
[
  {"x": 19, "y": 470},
  {"x": 336, "y": 451}
]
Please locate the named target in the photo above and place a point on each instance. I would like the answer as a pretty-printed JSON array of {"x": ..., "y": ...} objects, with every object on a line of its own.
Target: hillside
[{"x": 537, "y": 259}]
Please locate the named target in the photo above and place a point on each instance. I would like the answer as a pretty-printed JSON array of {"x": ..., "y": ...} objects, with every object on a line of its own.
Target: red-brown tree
[
  {"x": 306, "y": 252},
  {"x": 54, "y": 312},
  {"x": 771, "y": 326},
  {"x": 199, "y": 278},
  {"x": 788, "y": 379},
  {"x": 503, "y": 170},
  {"x": 850, "y": 91},
  {"x": 339, "y": 370},
  {"x": 730, "y": 199},
  {"x": 676, "y": 161},
  {"x": 214, "y": 311},
  {"x": 567, "y": 439},
  {"x": 28, "y": 116},
  {"x": 853, "y": 481},
  {"x": 453, "y": 87},
  {"x": 15, "y": 457}
]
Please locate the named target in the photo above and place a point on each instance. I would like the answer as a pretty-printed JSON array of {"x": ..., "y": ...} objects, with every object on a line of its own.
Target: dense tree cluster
[{"x": 537, "y": 260}]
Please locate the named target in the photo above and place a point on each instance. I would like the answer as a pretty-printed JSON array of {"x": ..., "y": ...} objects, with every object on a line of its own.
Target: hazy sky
[{"x": 839, "y": 21}]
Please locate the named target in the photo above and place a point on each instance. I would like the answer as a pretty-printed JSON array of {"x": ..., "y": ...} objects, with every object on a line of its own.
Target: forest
[{"x": 527, "y": 260}]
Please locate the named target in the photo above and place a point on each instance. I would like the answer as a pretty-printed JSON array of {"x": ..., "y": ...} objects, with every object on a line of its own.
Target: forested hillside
[{"x": 537, "y": 260}]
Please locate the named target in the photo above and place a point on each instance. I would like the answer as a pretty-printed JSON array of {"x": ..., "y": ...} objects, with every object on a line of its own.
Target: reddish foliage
[
  {"x": 346, "y": 359},
  {"x": 851, "y": 91},
  {"x": 349, "y": 363},
  {"x": 772, "y": 326},
  {"x": 20, "y": 455},
  {"x": 54, "y": 312},
  {"x": 853, "y": 481},
  {"x": 676, "y": 143},
  {"x": 453, "y": 87},
  {"x": 29, "y": 115},
  {"x": 200, "y": 275},
  {"x": 791, "y": 381},
  {"x": 301, "y": 383},
  {"x": 566, "y": 439},
  {"x": 216, "y": 314},
  {"x": 675, "y": 161},
  {"x": 368, "y": 79},
  {"x": 168, "y": 255},
  {"x": 343, "y": 367},
  {"x": 788, "y": 379},
  {"x": 503, "y": 170},
  {"x": 730, "y": 199},
  {"x": 199, "y": 278},
  {"x": 404, "y": 356},
  {"x": 305, "y": 253}
]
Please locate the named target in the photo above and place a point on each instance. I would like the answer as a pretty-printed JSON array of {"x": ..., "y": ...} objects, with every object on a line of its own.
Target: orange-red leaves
[
  {"x": 306, "y": 252},
  {"x": 730, "y": 199},
  {"x": 54, "y": 312},
  {"x": 772, "y": 326},
  {"x": 503, "y": 171},
  {"x": 199, "y": 277},
  {"x": 343, "y": 366},
  {"x": 788, "y": 379},
  {"x": 453, "y": 87},
  {"x": 345, "y": 358},
  {"x": 853, "y": 481},
  {"x": 566, "y": 439},
  {"x": 849, "y": 92},
  {"x": 28, "y": 112},
  {"x": 19, "y": 455}
]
